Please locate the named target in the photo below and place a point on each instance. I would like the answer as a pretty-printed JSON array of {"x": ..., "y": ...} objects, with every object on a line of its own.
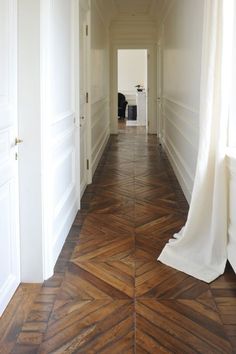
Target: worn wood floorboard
[{"x": 108, "y": 293}]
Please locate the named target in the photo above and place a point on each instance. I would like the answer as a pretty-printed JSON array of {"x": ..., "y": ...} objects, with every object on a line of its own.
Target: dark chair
[{"x": 122, "y": 103}]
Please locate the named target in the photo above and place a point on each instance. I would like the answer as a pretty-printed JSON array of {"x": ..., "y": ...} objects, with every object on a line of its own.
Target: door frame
[
  {"x": 76, "y": 8},
  {"x": 160, "y": 123},
  {"x": 151, "y": 81},
  {"x": 85, "y": 4}
]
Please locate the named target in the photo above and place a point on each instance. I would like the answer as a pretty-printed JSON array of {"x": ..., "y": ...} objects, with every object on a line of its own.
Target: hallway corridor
[{"x": 108, "y": 293}]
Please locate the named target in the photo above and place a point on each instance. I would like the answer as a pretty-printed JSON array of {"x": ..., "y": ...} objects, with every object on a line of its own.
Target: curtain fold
[{"x": 200, "y": 248}]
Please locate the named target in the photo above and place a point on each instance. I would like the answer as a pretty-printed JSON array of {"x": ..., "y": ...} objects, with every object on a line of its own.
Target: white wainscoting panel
[
  {"x": 100, "y": 120},
  {"x": 100, "y": 130},
  {"x": 9, "y": 250},
  {"x": 64, "y": 200},
  {"x": 181, "y": 141},
  {"x": 181, "y": 48}
]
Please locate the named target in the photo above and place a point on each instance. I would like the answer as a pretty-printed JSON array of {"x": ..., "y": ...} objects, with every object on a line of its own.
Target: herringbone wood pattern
[{"x": 108, "y": 293}]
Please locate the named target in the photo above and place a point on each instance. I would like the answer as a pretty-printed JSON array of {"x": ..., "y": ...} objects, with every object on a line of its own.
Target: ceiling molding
[
  {"x": 100, "y": 12},
  {"x": 107, "y": 10},
  {"x": 166, "y": 6}
]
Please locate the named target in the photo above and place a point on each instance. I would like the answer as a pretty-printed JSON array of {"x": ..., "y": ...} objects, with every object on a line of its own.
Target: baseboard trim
[{"x": 101, "y": 149}]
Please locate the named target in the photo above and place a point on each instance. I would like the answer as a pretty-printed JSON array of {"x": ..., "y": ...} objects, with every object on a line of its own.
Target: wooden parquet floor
[{"x": 108, "y": 293}]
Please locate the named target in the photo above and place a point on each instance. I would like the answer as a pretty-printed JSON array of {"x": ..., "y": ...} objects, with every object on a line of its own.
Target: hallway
[{"x": 108, "y": 293}]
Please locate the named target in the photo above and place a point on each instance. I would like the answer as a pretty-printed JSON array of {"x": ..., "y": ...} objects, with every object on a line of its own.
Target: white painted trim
[
  {"x": 100, "y": 100},
  {"x": 167, "y": 5},
  {"x": 45, "y": 138},
  {"x": 7, "y": 291},
  {"x": 76, "y": 89},
  {"x": 58, "y": 140},
  {"x": 100, "y": 147},
  {"x": 89, "y": 105},
  {"x": 61, "y": 116},
  {"x": 63, "y": 232},
  {"x": 181, "y": 132},
  {"x": 99, "y": 11},
  {"x": 83, "y": 186}
]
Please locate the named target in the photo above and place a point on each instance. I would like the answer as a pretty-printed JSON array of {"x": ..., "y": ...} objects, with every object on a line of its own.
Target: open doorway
[{"x": 132, "y": 87}]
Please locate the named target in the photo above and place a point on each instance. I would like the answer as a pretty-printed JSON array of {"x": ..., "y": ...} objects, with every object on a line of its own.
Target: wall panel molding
[
  {"x": 182, "y": 171},
  {"x": 181, "y": 140},
  {"x": 180, "y": 104},
  {"x": 61, "y": 116},
  {"x": 62, "y": 230},
  {"x": 184, "y": 120}
]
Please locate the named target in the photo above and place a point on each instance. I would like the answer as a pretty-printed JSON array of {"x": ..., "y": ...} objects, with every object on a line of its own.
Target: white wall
[
  {"x": 132, "y": 70},
  {"x": 48, "y": 200},
  {"x": 182, "y": 45},
  {"x": 99, "y": 79}
]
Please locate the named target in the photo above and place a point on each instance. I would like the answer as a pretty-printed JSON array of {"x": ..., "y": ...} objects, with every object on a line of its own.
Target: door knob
[{"x": 18, "y": 141}]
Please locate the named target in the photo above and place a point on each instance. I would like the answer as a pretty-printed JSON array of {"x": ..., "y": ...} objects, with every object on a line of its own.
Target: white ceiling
[{"x": 131, "y": 9}]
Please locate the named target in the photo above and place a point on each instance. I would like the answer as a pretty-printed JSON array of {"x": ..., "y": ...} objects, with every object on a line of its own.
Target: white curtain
[{"x": 200, "y": 248}]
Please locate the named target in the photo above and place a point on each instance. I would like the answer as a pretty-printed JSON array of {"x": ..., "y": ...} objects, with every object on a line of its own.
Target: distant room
[{"x": 132, "y": 87}]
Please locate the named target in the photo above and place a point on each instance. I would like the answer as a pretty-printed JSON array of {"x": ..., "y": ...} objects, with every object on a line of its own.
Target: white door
[
  {"x": 9, "y": 231},
  {"x": 83, "y": 96}
]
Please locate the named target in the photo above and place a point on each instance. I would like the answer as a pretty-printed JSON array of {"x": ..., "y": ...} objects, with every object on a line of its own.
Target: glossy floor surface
[{"x": 108, "y": 293}]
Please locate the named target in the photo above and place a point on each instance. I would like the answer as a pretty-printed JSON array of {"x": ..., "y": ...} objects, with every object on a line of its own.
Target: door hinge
[
  {"x": 87, "y": 164},
  {"x": 86, "y": 30},
  {"x": 87, "y": 97}
]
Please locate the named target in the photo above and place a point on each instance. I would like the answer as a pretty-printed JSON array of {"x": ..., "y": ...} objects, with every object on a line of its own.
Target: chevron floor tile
[
  {"x": 100, "y": 326},
  {"x": 108, "y": 293},
  {"x": 181, "y": 326}
]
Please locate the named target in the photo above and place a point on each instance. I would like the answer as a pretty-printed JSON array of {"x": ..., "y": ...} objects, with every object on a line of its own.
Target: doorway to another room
[{"x": 132, "y": 87}]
